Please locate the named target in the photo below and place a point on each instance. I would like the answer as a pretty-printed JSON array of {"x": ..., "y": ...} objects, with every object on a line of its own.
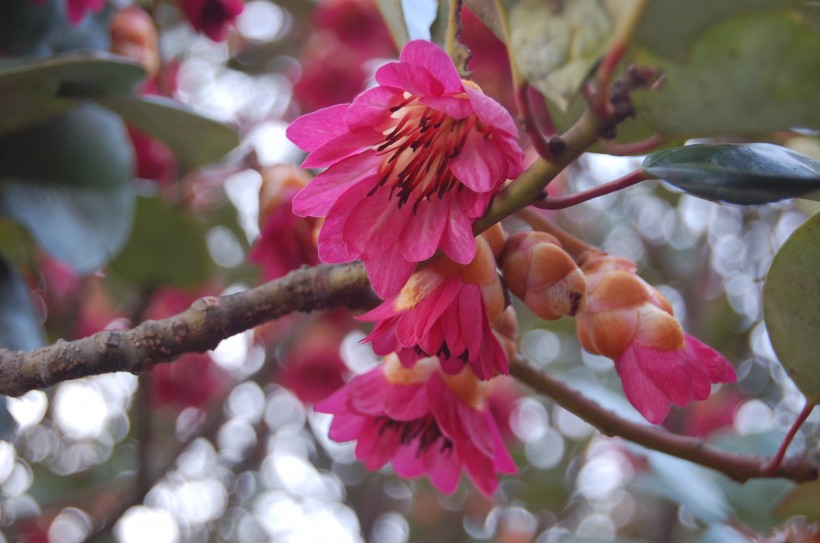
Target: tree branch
[
  {"x": 208, "y": 321},
  {"x": 736, "y": 466}
]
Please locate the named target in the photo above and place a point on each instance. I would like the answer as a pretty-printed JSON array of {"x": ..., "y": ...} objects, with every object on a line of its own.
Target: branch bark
[
  {"x": 739, "y": 467},
  {"x": 200, "y": 328}
]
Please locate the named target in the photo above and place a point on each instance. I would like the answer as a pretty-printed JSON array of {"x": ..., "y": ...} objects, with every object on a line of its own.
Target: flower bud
[
  {"x": 134, "y": 35},
  {"x": 505, "y": 329},
  {"x": 543, "y": 275}
]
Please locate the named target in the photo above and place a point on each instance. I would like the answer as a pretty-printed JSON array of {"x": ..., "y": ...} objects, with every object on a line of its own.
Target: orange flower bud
[
  {"x": 134, "y": 35},
  {"x": 496, "y": 237},
  {"x": 543, "y": 275},
  {"x": 505, "y": 329}
]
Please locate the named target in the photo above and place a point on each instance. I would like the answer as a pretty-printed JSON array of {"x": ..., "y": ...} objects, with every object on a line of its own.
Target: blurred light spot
[
  {"x": 596, "y": 362},
  {"x": 570, "y": 425},
  {"x": 306, "y": 521},
  {"x": 189, "y": 421},
  {"x": 547, "y": 451},
  {"x": 419, "y": 15},
  {"x": 271, "y": 144},
  {"x": 694, "y": 213},
  {"x": 19, "y": 480},
  {"x": 529, "y": 420},
  {"x": 518, "y": 521},
  {"x": 787, "y": 224},
  {"x": 541, "y": 346},
  {"x": 194, "y": 502},
  {"x": 753, "y": 417},
  {"x": 8, "y": 456},
  {"x": 28, "y": 409},
  {"x": 625, "y": 242},
  {"x": 677, "y": 301},
  {"x": 760, "y": 342},
  {"x": 236, "y": 438},
  {"x": 242, "y": 189},
  {"x": 140, "y": 524},
  {"x": 357, "y": 356},
  {"x": 602, "y": 475},
  {"x": 390, "y": 528},
  {"x": 284, "y": 409},
  {"x": 225, "y": 249},
  {"x": 261, "y": 21},
  {"x": 232, "y": 352},
  {"x": 70, "y": 526},
  {"x": 596, "y": 526},
  {"x": 246, "y": 401},
  {"x": 79, "y": 410}
]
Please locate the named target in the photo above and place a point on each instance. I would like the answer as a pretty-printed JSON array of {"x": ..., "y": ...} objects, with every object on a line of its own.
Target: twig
[
  {"x": 577, "y": 248},
  {"x": 736, "y": 466},
  {"x": 781, "y": 452},
  {"x": 563, "y": 202},
  {"x": 198, "y": 329}
]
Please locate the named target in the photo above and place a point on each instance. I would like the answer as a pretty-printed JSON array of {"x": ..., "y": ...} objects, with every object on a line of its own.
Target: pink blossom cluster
[{"x": 403, "y": 172}]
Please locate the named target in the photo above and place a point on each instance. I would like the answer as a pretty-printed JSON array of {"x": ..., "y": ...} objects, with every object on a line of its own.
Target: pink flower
[
  {"x": 410, "y": 165},
  {"x": 423, "y": 422},
  {"x": 628, "y": 320},
  {"x": 211, "y": 17},
  {"x": 441, "y": 311}
]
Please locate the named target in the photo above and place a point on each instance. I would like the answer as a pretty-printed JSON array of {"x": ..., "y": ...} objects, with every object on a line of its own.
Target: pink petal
[
  {"x": 675, "y": 373},
  {"x": 316, "y": 199},
  {"x": 481, "y": 165},
  {"x": 476, "y": 428},
  {"x": 376, "y": 446},
  {"x": 313, "y": 130},
  {"x": 458, "y": 241},
  {"x": 389, "y": 273},
  {"x": 457, "y": 108},
  {"x": 342, "y": 147},
  {"x": 368, "y": 392},
  {"x": 346, "y": 427},
  {"x": 491, "y": 112},
  {"x": 420, "y": 239},
  {"x": 443, "y": 469},
  {"x": 435, "y": 61},
  {"x": 641, "y": 392},
  {"x": 332, "y": 247},
  {"x": 372, "y": 107},
  {"x": 412, "y": 79},
  {"x": 374, "y": 224},
  {"x": 407, "y": 402},
  {"x": 335, "y": 404},
  {"x": 715, "y": 365}
]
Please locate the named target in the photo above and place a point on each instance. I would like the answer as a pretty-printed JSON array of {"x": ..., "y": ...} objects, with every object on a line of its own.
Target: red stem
[
  {"x": 634, "y": 148},
  {"x": 601, "y": 104},
  {"x": 538, "y": 139},
  {"x": 781, "y": 452},
  {"x": 577, "y": 248},
  {"x": 563, "y": 202}
]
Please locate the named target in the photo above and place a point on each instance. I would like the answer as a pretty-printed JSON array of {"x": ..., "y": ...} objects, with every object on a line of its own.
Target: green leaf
[
  {"x": 671, "y": 27},
  {"x": 790, "y": 307},
  {"x": 394, "y": 17},
  {"x": 196, "y": 140},
  {"x": 69, "y": 182},
  {"x": 20, "y": 327},
  {"x": 33, "y": 91},
  {"x": 803, "y": 500},
  {"x": 747, "y": 75},
  {"x": 555, "y": 50},
  {"x": 167, "y": 247},
  {"x": 754, "y": 173}
]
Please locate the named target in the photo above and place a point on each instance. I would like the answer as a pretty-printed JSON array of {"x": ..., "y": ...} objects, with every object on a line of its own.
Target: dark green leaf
[
  {"x": 20, "y": 327},
  {"x": 36, "y": 90},
  {"x": 69, "y": 182},
  {"x": 196, "y": 140},
  {"x": 167, "y": 246},
  {"x": 803, "y": 500},
  {"x": 790, "y": 307},
  {"x": 755, "y": 173}
]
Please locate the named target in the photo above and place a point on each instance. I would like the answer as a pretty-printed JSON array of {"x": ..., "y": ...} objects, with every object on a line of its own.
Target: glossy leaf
[
  {"x": 755, "y": 173},
  {"x": 32, "y": 92},
  {"x": 196, "y": 140},
  {"x": 555, "y": 50},
  {"x": 747, "y": 75},
  {"x": 790, "y": 307},
  {"x": 69, "y": 182},
  {"x": 20, "y": 327},
  {"x": 167, "y": 247},
  {"x": 394, "y": 17}
]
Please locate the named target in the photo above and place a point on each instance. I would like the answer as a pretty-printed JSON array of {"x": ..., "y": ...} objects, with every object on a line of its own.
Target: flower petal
[
  {"x": 420, "y": 239},
  {"x": 641, "y": 392},
  {"x": 341, "y": 147},
  {"x": 458, "y": 241},
  {"x": 313, "y": 130},
  {"x": 434, "y": 60},
  {"x": 316, "y": 199},
  {"x": 389, "y": 272}
]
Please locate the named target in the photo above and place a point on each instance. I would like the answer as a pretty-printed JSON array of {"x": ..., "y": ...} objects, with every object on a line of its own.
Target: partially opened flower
[
  {"x": 445, "y": 310},
  {"x": 422, "y": 421},
  {"x": 410, "y": 165},
  {"x": 628, "y": 320}
]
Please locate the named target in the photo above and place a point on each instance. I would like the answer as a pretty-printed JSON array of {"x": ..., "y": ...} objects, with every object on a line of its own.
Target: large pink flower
[
  {"x": 423, "y": 422},
  {"x": 628, "y": 320},
  {"x": 410, "y": 165},
  {"x": 442, "y": 311}
]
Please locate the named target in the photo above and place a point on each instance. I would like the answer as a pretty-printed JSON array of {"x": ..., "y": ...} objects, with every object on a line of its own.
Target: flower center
[
  {"x": 420, "y": 146},
  {"x": 425, "y": 429}
]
